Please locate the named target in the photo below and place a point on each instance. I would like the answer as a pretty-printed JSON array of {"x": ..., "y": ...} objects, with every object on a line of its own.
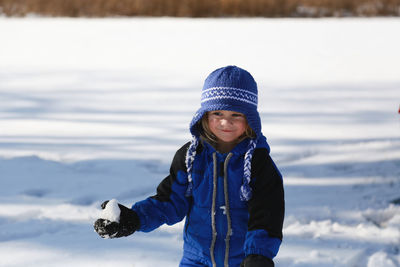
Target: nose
[{"x": 225, "y": 121}]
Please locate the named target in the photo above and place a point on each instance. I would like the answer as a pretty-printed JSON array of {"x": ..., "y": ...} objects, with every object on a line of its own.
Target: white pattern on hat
[{"x": 229, "y": 93}]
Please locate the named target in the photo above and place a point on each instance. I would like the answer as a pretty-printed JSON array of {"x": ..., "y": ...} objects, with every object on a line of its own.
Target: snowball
[{"x": 111, "y": 211}]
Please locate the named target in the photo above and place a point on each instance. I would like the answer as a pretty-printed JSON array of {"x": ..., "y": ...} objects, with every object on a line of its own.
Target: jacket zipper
[
  {"x": 214, "y": 196},
  {"x": 226, "y": 210}
]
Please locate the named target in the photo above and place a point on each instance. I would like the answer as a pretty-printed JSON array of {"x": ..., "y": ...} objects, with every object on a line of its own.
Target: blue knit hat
[{"x": 228, "y": 88}]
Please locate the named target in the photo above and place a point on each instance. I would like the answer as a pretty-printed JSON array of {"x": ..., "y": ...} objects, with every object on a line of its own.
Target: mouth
[{"x": 227, "y": 131}]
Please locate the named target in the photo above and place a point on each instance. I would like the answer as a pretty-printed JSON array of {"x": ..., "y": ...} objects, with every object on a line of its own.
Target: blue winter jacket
[{"x": 220, "y": 229}]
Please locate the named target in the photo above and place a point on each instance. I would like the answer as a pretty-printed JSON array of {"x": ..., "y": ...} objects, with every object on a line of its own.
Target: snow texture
[
  {"x": 94, "y": 109},
  {"x": 111, "y": 212}
]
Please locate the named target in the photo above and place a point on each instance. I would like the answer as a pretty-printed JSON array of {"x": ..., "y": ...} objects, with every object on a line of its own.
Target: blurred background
[
  {"x": 204, "y": 8},
  {"x": 96, "y": 96}
]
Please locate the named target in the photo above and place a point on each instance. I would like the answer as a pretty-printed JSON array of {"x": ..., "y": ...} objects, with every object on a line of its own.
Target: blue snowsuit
[{"x": 220, "y": 229}]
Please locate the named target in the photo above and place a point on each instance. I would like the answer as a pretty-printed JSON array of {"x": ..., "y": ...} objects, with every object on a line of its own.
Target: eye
[
  {"x": 237, "y": 115},
  {"x": 216, "y": 113}
]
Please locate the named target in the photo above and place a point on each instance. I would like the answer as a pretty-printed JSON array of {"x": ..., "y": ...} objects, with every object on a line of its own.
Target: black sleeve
[
  {"x": 267, "y": 205},
  {"x": 164, "y": 189},
  {"x": 169, "y": 205}
]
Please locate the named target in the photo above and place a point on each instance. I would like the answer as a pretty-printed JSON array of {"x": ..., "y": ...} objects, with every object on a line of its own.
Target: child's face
[{"x": 226, "y": 125}]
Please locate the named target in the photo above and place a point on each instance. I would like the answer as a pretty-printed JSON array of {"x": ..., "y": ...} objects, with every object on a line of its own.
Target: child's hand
[
  {"x": 254, "y": 260},
  {"x": 127, "y": 225}
]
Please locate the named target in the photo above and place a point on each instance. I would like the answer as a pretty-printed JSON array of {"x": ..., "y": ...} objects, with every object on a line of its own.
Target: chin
[{"x": 229, "y": 140}]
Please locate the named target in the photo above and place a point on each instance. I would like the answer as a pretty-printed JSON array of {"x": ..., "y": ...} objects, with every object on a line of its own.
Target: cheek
[
  {"x": 212, "y": 124},
  {"x": 241, "y": 127}
]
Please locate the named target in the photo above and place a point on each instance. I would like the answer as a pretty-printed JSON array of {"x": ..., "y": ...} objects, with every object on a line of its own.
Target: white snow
[
  {"x": 381, "y": 259},
  {"x": 94, "y": 109},
  {"x": 111, "y": 212}
]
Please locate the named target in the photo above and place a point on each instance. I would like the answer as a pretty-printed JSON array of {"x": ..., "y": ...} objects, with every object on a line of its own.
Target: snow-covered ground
[{"x": 94, "y": 109}]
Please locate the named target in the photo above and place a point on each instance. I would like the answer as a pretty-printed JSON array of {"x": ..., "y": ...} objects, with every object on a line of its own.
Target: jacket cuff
[
  {"x": 142, "y": 218},
  {"x": 259, "y": 242}
]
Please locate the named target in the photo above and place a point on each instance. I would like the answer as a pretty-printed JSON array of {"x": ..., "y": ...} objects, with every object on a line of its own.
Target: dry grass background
[{"x": 201, "y": 8}]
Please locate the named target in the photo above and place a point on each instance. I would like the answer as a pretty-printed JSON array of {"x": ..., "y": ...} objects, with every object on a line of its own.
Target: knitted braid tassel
[
  {"x": 245, "y": 189},
  {"x": 190, "y": 154}
]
